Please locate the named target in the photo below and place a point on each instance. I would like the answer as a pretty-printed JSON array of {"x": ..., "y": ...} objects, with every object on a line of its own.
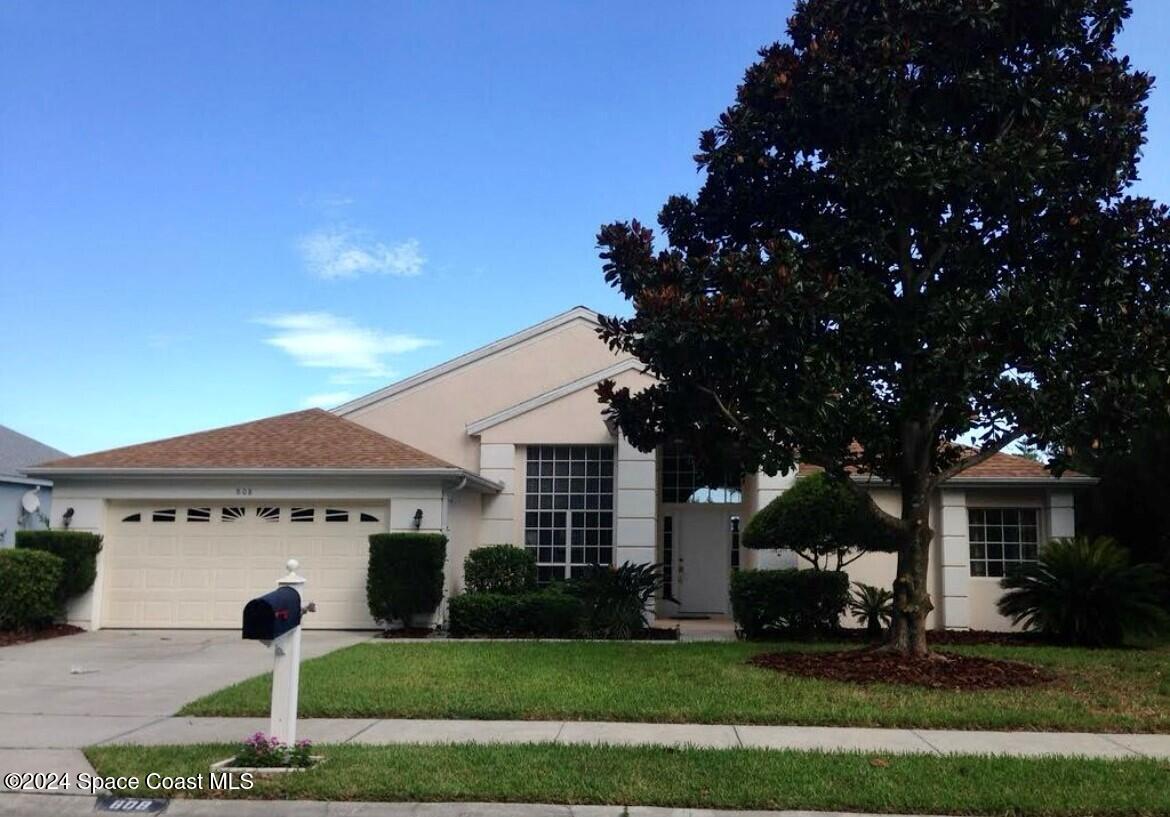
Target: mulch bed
[
  {"x": 873, "y": 666},
  {"x": 10, "y": 637},
  {"x": 964, "y": 637},
  {"x": 409, "y": 632}
]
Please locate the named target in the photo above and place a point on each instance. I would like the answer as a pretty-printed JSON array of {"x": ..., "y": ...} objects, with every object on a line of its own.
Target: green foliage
[
  {"x": 499, "y": 569},
  {"x": 615, "y": 598},
  {"x": 77, "y": 549},
  {"x": 871, "y": 606},
  {"x": 914, "y": 224},
  {"x": 819, "y": 518},
  {"x": 548, "y": 613},
  {"x": 804, "y": 602},
  {"x": 1084, "y": 591},
  {"x": 30, "y": 588},
  {"x": 405, "y": 575}
]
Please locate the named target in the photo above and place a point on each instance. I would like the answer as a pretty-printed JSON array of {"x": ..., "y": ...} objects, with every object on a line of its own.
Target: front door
[{"x": 704, "y": 564}]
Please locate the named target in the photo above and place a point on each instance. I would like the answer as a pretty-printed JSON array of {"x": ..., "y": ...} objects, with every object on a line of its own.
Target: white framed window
[
  {"x": 336, "y": 515},
  {"x": 268, "y": 514},
  {"x": 199, "y": 514},
  {"x": 1002, "y": 539},
  {"x": 568, "y": 508},
  {"x": 301, "y": 515},
  {"x": 231, "y": 514},
  {"x": 163, "y": 515}
]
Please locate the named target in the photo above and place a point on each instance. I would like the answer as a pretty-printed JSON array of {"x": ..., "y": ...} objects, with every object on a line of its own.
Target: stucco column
[
  {"x": 1062, "y": 521},
  {"x": 767, "y": 489},
  {"x": 497, "y": 461},
  {"x": 635, "y": 528},
  {"x": 956, "y": 560}
]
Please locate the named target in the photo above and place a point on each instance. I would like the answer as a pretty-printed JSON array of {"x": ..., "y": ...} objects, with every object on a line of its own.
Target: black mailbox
[{"x": 272, "y": 615}]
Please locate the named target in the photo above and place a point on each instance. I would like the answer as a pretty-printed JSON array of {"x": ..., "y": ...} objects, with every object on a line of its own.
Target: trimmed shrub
[
  {"x": 822, "y": 521},
  {"x": 405, "y": 575},
  {"x": 30, "y": 588},
  {"x": 797, "y": 601},
  {"x": 78, "y": 551},
  {"x": 1084, "y": 591},
  {"x": 499, "y": 569},
  {"x": 548, "y": 613},
  {"x": 615, "y": 598}
]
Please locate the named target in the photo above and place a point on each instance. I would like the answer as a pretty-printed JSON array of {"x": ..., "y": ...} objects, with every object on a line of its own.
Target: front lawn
[
  {"x": 1098, "y": 690},
  {"x": 702, "y": 778}
]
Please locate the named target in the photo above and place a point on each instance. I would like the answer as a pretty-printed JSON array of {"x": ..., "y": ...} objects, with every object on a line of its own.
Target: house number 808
[{"x": 243, "y": 491}]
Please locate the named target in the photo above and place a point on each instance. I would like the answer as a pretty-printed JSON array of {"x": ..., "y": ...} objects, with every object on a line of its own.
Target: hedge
[
  {"x": 30, "y": 582},
  {"x": 549, "y": 613},
  {"x": 796, "y": 601},
  {"x": 78, "y": 551},
  {"x": 499, "y": 569},
  {"x": 405, "y": 575}
]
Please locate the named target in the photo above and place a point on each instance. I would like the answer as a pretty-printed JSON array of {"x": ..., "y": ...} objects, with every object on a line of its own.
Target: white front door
[{"x": 704, "y": 558}]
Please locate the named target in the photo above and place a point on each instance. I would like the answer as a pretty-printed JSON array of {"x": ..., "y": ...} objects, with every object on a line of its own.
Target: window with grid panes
[
  {"x": 568, "y": 508},
  {"x": 1002, "y": 539},
  {"x": 681, "y": 482}
]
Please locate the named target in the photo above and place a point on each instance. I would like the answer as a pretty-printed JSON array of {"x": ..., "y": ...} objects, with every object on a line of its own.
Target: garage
[{"x": 195, "y": 564}]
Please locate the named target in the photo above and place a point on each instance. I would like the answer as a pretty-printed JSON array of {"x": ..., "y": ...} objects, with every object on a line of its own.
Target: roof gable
[
  {"x": 1001, "y": 466},
  {"x": 304, "y": 439},
  {"x": 577, "y": 313},
  {"x": 18, "y": 451}
]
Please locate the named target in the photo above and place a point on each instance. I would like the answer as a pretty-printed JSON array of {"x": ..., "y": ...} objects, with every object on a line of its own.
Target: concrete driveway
[{"x": 70, "y": 692}]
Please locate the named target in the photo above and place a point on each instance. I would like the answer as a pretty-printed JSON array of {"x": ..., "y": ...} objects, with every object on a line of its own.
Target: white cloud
[
  {"x": 339, "y": 252},
  {"x": 327, "y": 399},
  {"x": 320, "y": 340}
]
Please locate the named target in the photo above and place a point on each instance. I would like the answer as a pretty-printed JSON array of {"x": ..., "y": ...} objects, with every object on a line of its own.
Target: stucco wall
[
  {"x": 10, "y": 510},
  {"x": 434, "y": 415}
]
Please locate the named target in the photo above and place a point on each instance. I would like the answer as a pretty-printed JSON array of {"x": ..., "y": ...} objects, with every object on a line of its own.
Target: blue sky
[{"x": 211, "y": 212}]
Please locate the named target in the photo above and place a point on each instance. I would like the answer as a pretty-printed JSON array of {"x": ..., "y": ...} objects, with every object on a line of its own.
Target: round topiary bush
[
  {"x": 77, "y": 549},
  {"x": 499, "y": 569},
  {"x": 30, "y": 588}
]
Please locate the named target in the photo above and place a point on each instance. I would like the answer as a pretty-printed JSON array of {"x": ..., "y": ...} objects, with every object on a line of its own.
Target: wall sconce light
[
  {"x": 67, "y": 518},
  {"x": 418, "y": 518}
]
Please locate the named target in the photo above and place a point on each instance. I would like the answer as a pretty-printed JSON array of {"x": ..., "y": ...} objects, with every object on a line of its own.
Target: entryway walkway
[{"x": 920, "y": 741}]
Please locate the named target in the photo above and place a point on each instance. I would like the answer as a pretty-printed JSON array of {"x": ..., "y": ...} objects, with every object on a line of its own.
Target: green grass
[
  {"x": 1102, "y": 690},
  {"x": 707, "y": 778}
]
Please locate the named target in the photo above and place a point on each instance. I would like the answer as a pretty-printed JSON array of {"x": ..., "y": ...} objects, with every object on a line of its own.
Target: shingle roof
[
  {"x": 998, "y": 466},
  {"x": 304, "y": 439},
  {"x": 18, "y": 451}
]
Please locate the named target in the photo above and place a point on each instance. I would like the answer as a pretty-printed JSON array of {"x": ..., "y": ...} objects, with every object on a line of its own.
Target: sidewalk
[
  {"x": 33, "y": 805},
  {"x": 167, "y": 731}
]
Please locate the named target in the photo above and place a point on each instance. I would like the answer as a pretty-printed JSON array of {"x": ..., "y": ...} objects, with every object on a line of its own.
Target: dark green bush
[
  {"x": 548, "y": 613},
  {"x": 790, "y": 601},
  {"x": 499, "y": 569},
  {"x": 615, "y": 599},
  {"x": 78, "y": 551},
  {"x": 1084, "y": 591},
  {"x": 30, "y": 588},
  {"x": 822, "y": 521},
  {"x": 873, "y": 607},
  {"x": 405, "y": 575}
]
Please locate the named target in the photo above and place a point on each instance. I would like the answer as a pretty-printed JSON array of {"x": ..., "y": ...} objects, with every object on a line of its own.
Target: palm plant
[
  {"x": 1084, "y": 591},
  {"x": 616, "y": 598},
  {"x": 873, "y": 607}
]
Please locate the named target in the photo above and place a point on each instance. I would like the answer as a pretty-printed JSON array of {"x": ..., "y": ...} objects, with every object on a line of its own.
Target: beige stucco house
[{"x": 504, "y": 444}]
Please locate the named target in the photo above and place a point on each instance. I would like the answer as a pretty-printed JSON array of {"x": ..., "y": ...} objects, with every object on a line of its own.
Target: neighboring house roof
[
  {"x": 577, "y": 313},
  {"x": 18, "y": 451},
  {"x": 999, "y": 468},
  {"x": 588, "y": 381},
  {"x": 311, "y": 441}
]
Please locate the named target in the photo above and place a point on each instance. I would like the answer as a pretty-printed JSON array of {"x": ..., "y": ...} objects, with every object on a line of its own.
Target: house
[
  {"x": 503, "y": 444},
  {"x": 18, "y": 491}
]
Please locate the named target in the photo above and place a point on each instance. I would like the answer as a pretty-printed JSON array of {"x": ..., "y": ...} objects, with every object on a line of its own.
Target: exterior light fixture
[{"x": 418, "y": 518}]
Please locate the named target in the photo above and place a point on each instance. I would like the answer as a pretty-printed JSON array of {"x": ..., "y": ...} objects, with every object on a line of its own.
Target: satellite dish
[{"x": 30, "y": 501}]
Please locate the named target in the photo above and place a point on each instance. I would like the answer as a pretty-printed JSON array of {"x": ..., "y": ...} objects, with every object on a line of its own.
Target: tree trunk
[{"x": 911, "y": 599}]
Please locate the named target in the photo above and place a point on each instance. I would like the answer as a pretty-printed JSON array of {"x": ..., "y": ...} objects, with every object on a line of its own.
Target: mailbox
[{"x": 272, "y": 615}]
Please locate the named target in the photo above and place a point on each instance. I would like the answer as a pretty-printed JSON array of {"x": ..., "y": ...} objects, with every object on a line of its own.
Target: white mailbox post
[
  {"x": 275, "y": 620},
  {"x": 286, "y": 668}
]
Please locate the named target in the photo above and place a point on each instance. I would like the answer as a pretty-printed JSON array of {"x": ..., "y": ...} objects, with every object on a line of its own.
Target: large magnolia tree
[{"x": 914, "y": 226}]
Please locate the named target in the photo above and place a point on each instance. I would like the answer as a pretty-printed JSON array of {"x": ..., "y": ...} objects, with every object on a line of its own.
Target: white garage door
[{"x": 176, "y": 564}]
